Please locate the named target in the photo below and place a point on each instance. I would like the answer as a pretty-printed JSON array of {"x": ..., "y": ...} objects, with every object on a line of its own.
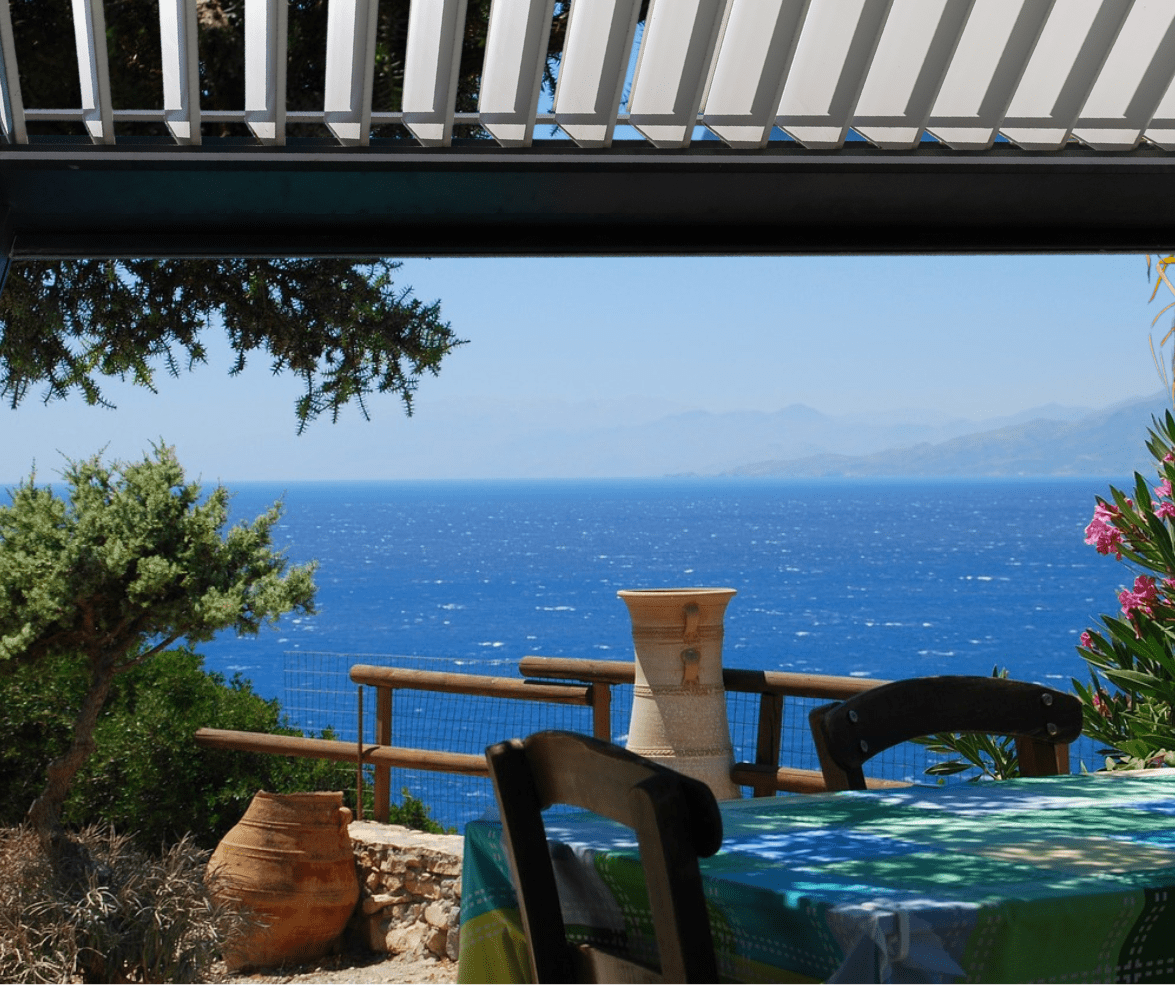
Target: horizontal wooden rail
[
  {"x": 764, "y": 775},
  {"x": 749, "y": 681},
  {"x": 495, "y": 687},
  {"x": 343, "y": 752},
  {"x": 575, "y": 669},
  {"x": 785, "y": 778}
]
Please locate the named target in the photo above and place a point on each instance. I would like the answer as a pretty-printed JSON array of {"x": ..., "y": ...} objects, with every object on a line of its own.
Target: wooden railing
[
  {"x": 385, "y": 757},
  {"x": 387, "y": 680},
  {"x": 553, "y": 680},
  {"x": 765, "y": 776}
]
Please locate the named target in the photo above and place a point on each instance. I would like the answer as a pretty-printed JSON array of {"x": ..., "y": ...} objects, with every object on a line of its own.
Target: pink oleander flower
[
  {"x": 1165, "y": 510},
  {"x": 1087, "y": 642},
  {"x": 1169, "y": 457},
  {"x": 1144, "y": 596},
  {"x": 1164, "y": 488},
  {"x": 1101, "y": 532}
]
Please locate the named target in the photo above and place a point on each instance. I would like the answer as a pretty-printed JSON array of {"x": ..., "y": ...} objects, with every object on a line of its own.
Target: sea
[{"x": 867, "y": 578}]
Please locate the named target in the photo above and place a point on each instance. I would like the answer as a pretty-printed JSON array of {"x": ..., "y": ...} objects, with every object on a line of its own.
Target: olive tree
[{"x": 132, "y": 559}]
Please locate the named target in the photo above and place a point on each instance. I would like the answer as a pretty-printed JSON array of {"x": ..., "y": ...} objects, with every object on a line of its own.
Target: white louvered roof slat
[
  {"x": 1161, "y": 131},
  {"x": 181, "y": 70},
  {"x": 1073, "y": 46},
  {"x": 431, "y": 63},
  {"x": 1132, "y": 82},
  {"x": 89, "y": 29},
  {"x": 833, "y": 56},
  {"x": 672, "y": 69},
  {"x": 908, "y": 69},
  {"x": 1040, "y": 73},
  {"x": 516, "y": 51},
  {"x": 592, "y": 69},
  {"x": 991, "y": 58},
  {"x": 350, "y": 68},
  {"x": 266, "y": 37},
  {"x": 756, "y": 44},
  {"x": 12, "y": 127}
]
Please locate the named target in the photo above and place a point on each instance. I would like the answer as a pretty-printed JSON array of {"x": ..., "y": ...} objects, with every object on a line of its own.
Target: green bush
[{"x": 147, "y": 776}]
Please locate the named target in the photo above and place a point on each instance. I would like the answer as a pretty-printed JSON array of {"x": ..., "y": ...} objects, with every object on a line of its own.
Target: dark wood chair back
[
  {"x": 675, "y": 819},
  {"x": 848, "y": 733}
]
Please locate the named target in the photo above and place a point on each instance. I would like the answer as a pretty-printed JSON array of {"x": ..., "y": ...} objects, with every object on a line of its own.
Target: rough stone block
[{"x": 411, "y": 903}]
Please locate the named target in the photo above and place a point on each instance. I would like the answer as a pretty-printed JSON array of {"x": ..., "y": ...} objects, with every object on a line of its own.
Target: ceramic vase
[
  {"x": 679, "y": 703},
  {"x": 289, "y": 861}
]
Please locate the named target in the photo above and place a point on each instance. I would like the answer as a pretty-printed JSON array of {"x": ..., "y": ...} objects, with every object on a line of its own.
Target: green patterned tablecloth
[{"x": 1066, "y": 879}]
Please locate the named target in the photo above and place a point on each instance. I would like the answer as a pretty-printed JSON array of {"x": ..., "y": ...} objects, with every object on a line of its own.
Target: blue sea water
[
  {"x": 881, "y": 579},
  {"x": 873, "y": 579}
]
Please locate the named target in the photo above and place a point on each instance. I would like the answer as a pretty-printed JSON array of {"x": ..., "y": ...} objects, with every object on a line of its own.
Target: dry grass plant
[{"x": 132, "y": 917}]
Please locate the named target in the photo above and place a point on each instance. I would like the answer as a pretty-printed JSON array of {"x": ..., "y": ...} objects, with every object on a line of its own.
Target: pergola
[{"x": 748, "y": 126}]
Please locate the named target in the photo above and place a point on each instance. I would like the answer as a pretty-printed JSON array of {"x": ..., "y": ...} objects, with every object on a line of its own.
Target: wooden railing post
[
  {"x": 768, "y": 740},
  {"x": 601, "y": 700},
  {"x": 383, "y": 737},
  {"x": 359, "y": 756}
]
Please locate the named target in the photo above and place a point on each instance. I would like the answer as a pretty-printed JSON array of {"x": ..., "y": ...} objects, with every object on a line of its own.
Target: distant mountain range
[
  {"x": 557, "y": 439},
  {"x": 1109, "y": 442}
]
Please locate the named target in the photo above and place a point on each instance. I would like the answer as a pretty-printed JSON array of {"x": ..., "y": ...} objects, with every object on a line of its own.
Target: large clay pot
[
  {"x": 288, "y": 860},
  {"x": 679, "y": 703}
]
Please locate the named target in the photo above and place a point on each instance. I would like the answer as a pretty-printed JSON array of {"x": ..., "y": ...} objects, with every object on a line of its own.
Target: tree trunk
[{"x": 45, "y": 814}]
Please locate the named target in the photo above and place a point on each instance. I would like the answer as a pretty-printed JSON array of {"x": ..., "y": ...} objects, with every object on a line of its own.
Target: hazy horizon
[{"x": 607, "y": 343}]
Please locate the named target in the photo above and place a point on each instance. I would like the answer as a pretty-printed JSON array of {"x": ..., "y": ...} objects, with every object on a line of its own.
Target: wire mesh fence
[{"x": 320, "y": 696}]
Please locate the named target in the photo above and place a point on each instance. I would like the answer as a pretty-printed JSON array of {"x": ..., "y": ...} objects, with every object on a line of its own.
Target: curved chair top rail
[{"x": 859, "y": 728}]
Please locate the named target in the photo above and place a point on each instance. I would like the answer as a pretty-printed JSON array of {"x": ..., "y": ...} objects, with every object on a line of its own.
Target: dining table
[{"x": 1061, "y": 879}]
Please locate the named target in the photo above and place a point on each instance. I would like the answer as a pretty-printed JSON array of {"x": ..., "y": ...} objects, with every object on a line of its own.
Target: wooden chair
[
  {"x": 1041, "y": 720},
  {"x": 675, "y": 819}
]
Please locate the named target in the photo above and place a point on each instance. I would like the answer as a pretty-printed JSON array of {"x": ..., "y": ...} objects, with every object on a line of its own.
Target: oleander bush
[
  {"x": 131, "y": 916},
  {"x": 1130, "y": 698}
]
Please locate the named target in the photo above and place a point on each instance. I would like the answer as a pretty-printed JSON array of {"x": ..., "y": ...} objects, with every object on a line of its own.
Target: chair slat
[
  {"x": 675, "y": 819},
  {"x": 849, "y": 733}
]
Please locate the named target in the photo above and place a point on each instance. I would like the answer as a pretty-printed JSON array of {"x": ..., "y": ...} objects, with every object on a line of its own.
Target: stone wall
[{"x": 409, "y": 890}]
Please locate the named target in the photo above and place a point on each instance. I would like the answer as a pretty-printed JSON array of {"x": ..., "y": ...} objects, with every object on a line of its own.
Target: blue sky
[{"x": 559, "y": 339}]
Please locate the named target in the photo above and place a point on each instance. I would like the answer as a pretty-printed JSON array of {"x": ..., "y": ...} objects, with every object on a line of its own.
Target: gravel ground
[{"x": 355, "y": 966}]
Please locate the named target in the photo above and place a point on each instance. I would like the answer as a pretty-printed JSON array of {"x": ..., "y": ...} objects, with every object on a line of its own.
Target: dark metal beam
[{"x": 68, "y": 199}]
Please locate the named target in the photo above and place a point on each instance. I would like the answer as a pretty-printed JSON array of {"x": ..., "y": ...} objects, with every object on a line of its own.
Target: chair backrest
[
  {"x": 675, "y": 819},
  {"x": 1041, "y": 720}
]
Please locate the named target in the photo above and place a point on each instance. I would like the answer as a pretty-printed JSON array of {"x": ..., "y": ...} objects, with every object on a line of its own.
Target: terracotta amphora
[{"x": 289, "y": 861}]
